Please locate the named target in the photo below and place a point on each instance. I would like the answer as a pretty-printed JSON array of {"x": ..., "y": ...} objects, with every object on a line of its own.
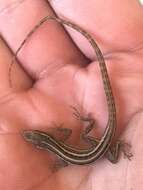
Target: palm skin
[{"x": 57, "y": 75}]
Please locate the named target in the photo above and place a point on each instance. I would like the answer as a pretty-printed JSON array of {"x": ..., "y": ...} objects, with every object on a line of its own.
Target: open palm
[{"x": 58, "y": 75}]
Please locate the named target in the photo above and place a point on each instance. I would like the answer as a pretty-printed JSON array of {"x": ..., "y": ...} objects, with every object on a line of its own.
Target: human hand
[{"x": 62, "y": 76}]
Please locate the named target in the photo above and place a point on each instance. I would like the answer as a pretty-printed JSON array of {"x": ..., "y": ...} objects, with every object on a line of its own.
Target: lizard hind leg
[
  {"x": 92, "y": 141},
  {"x": 113, "y": 153}
]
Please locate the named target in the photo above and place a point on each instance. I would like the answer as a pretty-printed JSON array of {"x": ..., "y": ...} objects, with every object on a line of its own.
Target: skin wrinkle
[
  {"x": 7, "y": 98},
  {"x": 39, "y": 183},
  {"x": 34, "y": 105},
  {"x": 85, "y": 178},
  {"x": 56, "y": 68},
  {"x": 111, "y": 54},
  {"x": 46, "y": 72},
  {"x": 81, "y": 102}
]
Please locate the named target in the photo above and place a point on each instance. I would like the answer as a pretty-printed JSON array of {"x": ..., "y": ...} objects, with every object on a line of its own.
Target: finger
[
  {"x": 113, "y": 24},
  {"x": 48, "y": 48},
  {"x": 5, "y": 60}
]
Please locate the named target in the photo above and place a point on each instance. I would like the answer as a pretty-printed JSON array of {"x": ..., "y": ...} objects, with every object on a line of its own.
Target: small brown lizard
[{"x": 101, "y": 147}]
